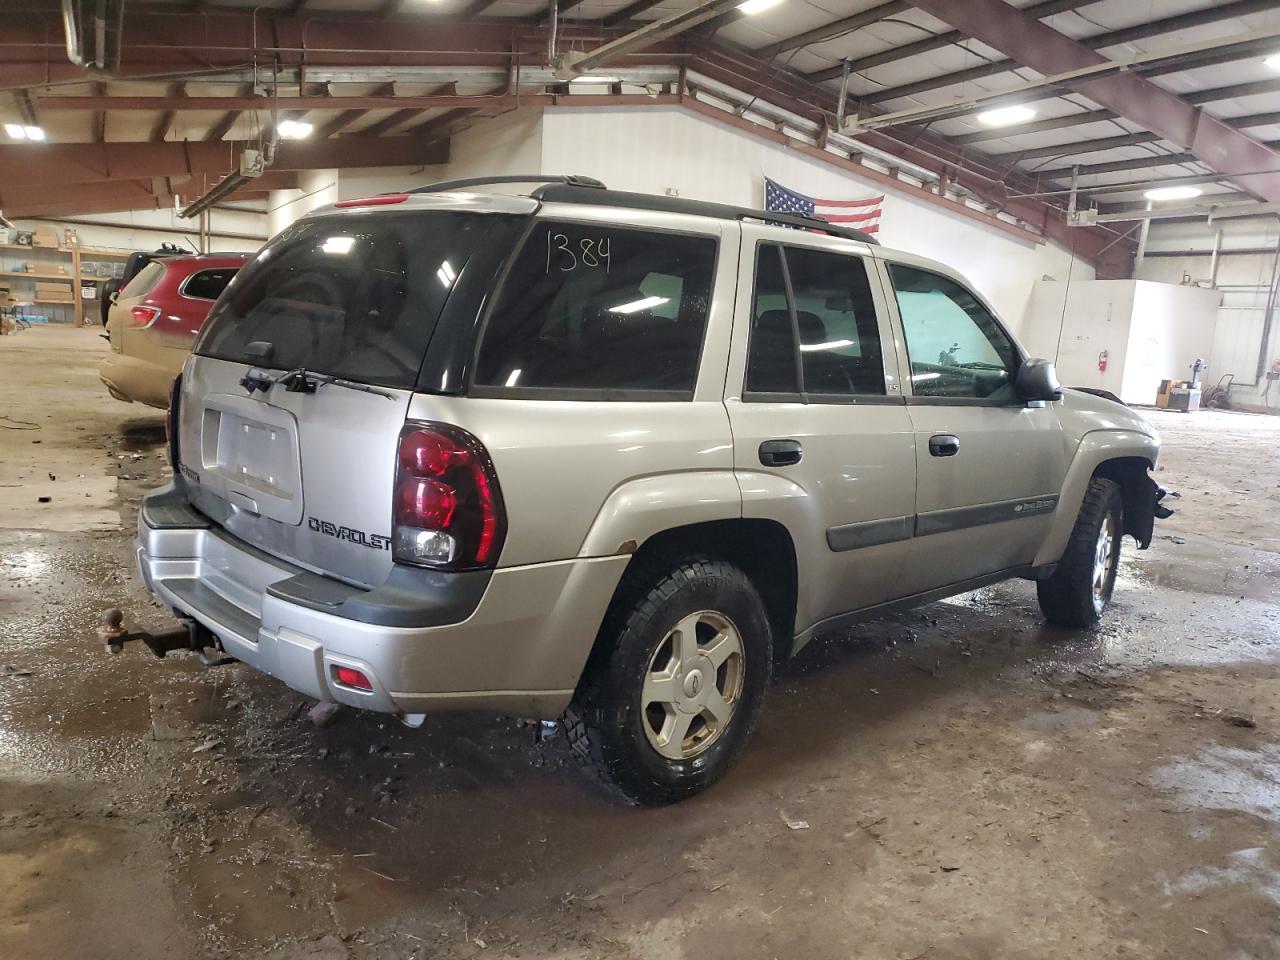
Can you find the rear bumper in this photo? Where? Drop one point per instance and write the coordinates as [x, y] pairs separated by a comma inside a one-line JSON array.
[[129, 379], [518, 649]]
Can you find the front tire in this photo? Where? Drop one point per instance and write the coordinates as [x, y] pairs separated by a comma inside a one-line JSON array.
[[1080, 589], [676, 684]]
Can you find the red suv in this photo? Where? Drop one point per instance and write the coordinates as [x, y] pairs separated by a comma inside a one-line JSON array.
[[155, 319]]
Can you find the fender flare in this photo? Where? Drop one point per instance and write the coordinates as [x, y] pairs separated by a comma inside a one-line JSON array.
[[636, 510], [1095, 448]]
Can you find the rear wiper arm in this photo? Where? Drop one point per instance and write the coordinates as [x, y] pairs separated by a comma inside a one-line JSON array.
[[302, 380]]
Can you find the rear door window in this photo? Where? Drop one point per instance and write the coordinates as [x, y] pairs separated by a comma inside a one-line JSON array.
[[208, 284], [590, 309], [836, 334], [356, 297]]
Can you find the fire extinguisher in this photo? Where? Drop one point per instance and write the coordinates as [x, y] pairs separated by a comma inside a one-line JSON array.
[[1102, 362]]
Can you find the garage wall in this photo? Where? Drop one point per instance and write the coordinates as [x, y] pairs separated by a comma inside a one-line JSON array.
[[659, 149], [1243, 281], [147, 229]]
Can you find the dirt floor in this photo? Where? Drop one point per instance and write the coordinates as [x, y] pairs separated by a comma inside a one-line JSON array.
[[958, 782]]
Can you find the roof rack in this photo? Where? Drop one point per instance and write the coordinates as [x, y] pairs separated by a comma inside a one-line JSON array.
[[568, 190], [569, 180]]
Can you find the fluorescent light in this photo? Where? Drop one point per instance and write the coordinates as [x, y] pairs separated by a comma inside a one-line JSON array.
[[294, 129], [635, 306], [514, 376], [1004, 116], [825, 345], [446, 274], [16, 130], [34, 133], [592, 78], [751, 7], [338, 244], [1173, 193], [1273, 61]]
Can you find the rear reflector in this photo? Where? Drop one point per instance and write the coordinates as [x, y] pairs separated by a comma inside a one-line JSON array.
[[350, 677], [384, 200]]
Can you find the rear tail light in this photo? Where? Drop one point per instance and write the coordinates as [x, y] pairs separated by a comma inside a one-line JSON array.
[[350, 677], [144, 316], [171, 420], [448, 510]]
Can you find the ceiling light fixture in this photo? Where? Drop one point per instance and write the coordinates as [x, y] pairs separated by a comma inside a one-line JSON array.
[[16, 130], [34, 133], [1272, 61], [1173, 193], [294, 129], [752, 7], [592, 78], [1004, 116]]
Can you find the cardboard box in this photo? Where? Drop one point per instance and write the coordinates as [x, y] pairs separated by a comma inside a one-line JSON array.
[[44, 236], [1167, 387]]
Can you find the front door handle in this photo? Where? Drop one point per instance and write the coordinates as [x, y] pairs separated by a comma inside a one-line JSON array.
[[944, 445], [780, 453]]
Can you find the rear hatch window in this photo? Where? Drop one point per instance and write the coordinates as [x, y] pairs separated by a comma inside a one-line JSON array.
[[144, 282], [357, 297]]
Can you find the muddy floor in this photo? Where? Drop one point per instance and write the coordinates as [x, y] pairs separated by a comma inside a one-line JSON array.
[[958, 782]]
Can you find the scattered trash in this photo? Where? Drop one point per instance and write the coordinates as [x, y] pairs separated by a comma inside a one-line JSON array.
[[324, 714], [44, 499], [1172, 539], [207, 746], [795, 824], [9, 670], [1240, 720], [383, 823], [950, 869], [52, 477]]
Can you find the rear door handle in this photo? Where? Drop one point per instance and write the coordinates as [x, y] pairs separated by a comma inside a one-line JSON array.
[[944, 445], [780, 453]]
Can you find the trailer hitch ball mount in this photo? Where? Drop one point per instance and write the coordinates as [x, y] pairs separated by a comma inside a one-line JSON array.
[[188, 635]]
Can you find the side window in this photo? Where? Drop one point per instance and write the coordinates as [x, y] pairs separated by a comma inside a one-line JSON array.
[[955, 345], [208, 284], [839, 340], [596, 307]]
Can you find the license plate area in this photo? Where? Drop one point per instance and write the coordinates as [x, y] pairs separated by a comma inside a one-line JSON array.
[[249, 457]]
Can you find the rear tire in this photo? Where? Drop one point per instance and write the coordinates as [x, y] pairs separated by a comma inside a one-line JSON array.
[[1080, 589], [676, 683]]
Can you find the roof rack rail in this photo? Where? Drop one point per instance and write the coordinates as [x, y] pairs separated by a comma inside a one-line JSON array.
[[569, 180], [562, 190]]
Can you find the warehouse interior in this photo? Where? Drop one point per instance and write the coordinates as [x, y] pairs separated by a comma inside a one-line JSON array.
[[952, 779]]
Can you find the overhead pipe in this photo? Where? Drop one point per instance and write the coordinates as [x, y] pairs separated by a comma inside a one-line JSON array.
[[71, 33], [649, 34]]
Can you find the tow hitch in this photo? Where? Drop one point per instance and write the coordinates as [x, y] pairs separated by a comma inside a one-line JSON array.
[[189, 635]]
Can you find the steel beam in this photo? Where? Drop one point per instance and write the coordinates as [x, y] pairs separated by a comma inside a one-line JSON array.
[[1099, 41], [644, 37], [829, 31], [1045, 8], [54, 163], [1027, 40], [629, 12]]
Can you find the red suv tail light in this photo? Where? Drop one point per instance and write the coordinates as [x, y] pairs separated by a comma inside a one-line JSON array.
[[144, 316], [448, 510]]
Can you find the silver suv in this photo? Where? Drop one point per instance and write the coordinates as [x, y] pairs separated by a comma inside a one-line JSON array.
[[605, 456]]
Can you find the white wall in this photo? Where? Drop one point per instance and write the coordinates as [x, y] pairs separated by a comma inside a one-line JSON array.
[[1172, 327], [1243, 282], [316, 188], [657, 149], [1072, 324]]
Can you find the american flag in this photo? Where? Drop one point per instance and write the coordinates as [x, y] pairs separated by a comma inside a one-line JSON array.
[[860, 214]]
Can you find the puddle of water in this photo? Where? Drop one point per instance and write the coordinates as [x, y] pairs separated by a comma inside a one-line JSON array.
[[1250, 868], [1226, 778]]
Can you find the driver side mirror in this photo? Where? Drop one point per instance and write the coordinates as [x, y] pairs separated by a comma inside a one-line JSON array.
[[1038, 380]]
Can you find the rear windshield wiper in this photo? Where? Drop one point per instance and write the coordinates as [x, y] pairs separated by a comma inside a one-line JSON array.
[[303, 380]]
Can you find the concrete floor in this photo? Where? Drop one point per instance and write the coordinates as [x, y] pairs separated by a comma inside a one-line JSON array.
[[974, 784]]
